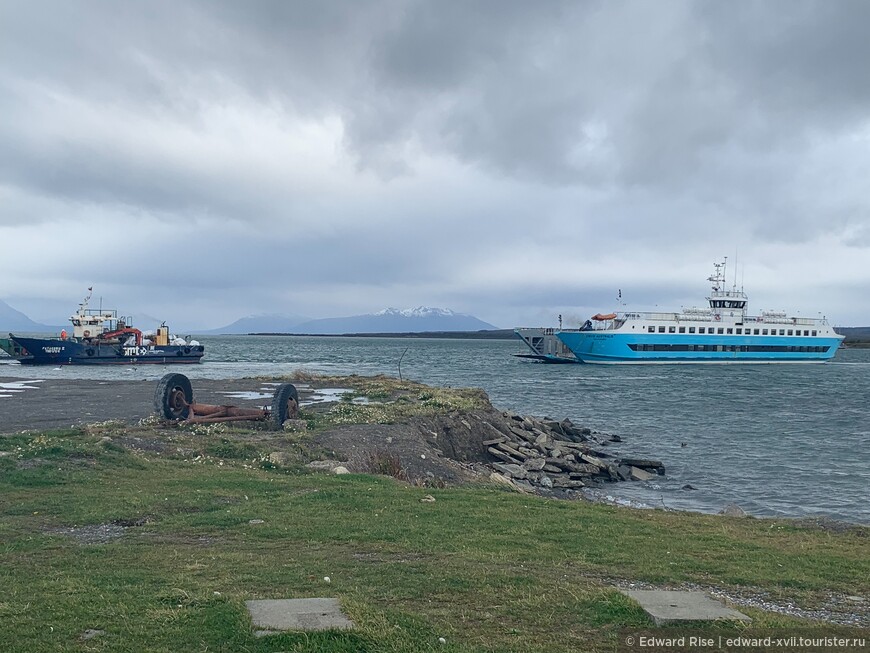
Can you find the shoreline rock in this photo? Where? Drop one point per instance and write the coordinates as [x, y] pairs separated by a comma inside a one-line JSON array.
[[547, 455]]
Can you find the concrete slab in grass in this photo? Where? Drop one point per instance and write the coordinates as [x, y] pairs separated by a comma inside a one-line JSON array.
[[667, 606], [276, 615]]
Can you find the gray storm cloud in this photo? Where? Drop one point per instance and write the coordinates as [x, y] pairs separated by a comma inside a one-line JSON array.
[[504, 159]]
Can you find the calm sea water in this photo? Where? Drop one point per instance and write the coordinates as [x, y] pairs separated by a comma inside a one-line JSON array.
[[787, 440]]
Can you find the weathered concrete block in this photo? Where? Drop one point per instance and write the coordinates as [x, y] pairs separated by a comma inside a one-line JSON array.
[[638, 474], [536, 464], [273, 616], [501, 479], [733, 510], [508, 449], [511, 469], [665, 606], [501, 455], [585, 469], [592, 460]]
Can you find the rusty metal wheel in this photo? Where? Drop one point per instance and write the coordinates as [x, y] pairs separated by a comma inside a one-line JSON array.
[[285, 405], [173, 397]]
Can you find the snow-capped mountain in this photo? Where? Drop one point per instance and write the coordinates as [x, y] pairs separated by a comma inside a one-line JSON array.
[[420, 311], [394, 320]]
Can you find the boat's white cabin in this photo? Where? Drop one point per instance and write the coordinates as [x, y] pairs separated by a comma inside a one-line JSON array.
[[90, 323]]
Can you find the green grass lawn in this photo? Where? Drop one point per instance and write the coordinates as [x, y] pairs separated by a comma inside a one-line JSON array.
[[486, 569]]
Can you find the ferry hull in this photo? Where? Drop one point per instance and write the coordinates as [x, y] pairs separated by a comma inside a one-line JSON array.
[[55, 351], [602, 347]]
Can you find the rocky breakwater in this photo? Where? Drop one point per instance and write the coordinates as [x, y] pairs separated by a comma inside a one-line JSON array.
[[547, 455]]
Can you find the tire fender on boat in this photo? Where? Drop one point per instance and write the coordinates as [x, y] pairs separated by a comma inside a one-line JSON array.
[[89, 352]]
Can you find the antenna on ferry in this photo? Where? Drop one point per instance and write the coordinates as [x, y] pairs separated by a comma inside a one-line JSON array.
[[718, 276], [735, 268]]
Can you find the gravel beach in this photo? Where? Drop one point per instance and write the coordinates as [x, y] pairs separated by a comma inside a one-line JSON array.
[[53, 404]]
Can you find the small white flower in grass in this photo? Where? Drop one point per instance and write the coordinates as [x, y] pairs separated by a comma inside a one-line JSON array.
[[326, 579], [442, 640]]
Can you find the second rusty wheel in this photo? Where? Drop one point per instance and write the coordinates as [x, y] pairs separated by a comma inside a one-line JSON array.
[[173, 397], [285, 405]]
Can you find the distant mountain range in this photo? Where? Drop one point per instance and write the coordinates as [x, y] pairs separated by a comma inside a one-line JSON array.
[[394, 320], [272, 323], [854, 333], [389, 320], [16, 321]]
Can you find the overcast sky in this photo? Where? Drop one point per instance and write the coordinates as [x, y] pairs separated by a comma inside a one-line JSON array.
[[203, 161]]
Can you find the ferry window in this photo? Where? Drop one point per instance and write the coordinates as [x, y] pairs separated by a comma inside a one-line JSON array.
[[806, 333], [702, 330], [782, 332], [661, 329], [764, 332], [730, 331], [682, 329], [651, 329], [790, 332], [755, 332], [739, 332], [672, 329], [691, 329], [814, 332], [720, 330]]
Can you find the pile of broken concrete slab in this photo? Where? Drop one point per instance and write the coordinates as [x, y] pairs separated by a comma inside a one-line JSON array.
[[545, 454]]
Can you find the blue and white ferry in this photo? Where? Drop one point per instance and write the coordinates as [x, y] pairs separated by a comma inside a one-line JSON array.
[[722, 333]]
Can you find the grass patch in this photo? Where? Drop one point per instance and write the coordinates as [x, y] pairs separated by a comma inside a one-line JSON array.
[[387, 401], [484, 569]]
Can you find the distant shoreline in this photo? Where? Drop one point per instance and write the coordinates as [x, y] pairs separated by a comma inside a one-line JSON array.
[[491, 334]]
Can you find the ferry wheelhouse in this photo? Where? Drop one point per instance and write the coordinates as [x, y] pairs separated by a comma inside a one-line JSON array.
[[723, 332]]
